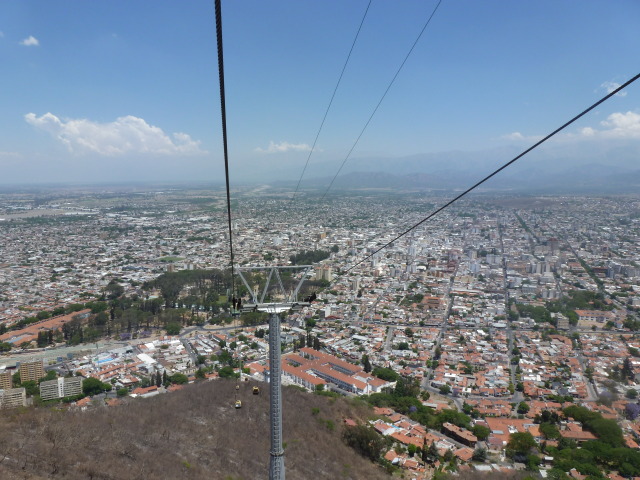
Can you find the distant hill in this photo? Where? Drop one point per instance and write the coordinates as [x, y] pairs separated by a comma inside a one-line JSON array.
[[382, 180], [555, 168], [587, 179], [195, 433]]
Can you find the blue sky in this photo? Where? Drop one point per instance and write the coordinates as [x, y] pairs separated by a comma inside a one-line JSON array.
[[128, 90]]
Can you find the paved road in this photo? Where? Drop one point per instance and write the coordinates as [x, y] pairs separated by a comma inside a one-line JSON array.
[[54, 353], [443, 329], [387, 343], [510, 336]]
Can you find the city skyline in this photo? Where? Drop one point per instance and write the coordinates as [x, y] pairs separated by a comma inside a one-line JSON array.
[[505, 312]]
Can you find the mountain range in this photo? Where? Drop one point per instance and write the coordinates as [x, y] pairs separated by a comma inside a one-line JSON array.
[[562, 168]]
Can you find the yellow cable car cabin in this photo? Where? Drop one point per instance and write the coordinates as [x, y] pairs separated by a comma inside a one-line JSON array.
[[238, 404], [256, 391]]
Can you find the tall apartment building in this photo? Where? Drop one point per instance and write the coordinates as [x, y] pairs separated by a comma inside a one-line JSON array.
[[13, 397], [6, 380], [324, 273], [60, 388], [31, 371]]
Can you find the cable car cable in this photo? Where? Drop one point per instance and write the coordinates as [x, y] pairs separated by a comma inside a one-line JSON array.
[[382, 98], [495, 172], [223, 110], [344, 67]]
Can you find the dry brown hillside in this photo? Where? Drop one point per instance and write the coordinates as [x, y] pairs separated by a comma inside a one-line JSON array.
[[195, 433]]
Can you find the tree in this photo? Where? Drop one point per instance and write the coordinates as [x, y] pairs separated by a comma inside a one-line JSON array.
[[31, 387], [520, 444], [607, 398], [430, 455], [93, 386], [366, 363], [631, 393], [122, 392], [481, 432], [228, 372], [557, 474], [523, 408], [412, 449], [43, 339], [550, 431], [385, 374], [445, 389], [547, 416], [479, 454], [225, 358], [50, 375], [589, 371], [448, 455], [532, 463], [173, 328], [627, 370], [364, 440], [97, 307], [179, 378], [309, 257], [114, 290]]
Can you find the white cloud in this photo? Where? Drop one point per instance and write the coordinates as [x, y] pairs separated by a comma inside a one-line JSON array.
[[30, 41], [514, 136], [518, 137], [618, 125], [9, 154], [621, 125], [125, 135], [611, 86], [284, 147]]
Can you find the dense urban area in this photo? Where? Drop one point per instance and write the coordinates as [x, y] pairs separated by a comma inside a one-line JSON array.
[[499, 336]]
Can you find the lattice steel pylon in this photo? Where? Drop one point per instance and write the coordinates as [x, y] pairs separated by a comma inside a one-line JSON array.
[[289, 301]]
